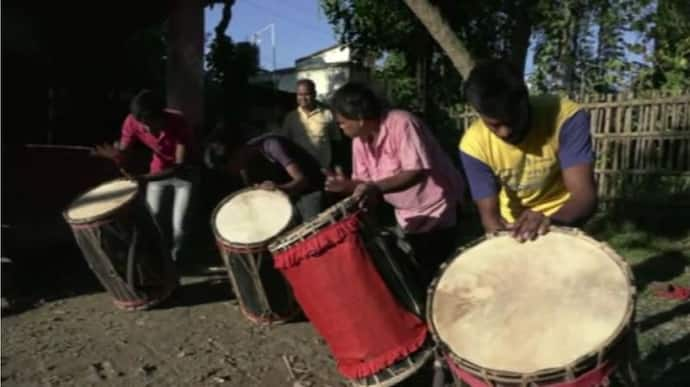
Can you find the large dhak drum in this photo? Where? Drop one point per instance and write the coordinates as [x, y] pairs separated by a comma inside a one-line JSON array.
[[556, 311], [122, 244], [351, 283], [244, 223]]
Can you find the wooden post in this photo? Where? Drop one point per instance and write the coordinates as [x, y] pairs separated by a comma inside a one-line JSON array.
[[618, 129], [605, 177], [642, 119], [627, 129], [684, 153]]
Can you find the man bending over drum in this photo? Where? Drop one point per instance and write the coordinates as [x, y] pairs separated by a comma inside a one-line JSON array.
[[275, 162], [529, 160], [394, 155], [170, 138]]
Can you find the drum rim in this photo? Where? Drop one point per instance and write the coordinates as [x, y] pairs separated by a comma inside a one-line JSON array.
[[254, 245], [426, 352], [549, 373], [309, 228], [106, 214]]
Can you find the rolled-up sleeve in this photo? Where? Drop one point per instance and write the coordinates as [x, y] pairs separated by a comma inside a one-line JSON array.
[[413, 152], [129, 132], [276, 151], [483, 182], [575, 141], [359, 166]]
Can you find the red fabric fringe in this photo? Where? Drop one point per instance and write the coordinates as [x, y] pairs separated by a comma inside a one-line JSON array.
[[317, 244]]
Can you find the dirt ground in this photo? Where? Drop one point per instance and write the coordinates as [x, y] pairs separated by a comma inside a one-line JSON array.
[[64, 331], [198, 338]]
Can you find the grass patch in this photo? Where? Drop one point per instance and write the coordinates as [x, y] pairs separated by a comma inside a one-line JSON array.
[[658, 251]]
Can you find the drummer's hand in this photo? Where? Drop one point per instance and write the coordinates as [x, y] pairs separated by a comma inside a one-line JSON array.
[[106, 150], [337, 182], [367, 194], [268, 185], [529, 225]]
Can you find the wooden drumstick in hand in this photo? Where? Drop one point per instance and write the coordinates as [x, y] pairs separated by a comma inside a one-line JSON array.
[[126, 174], [59, 146], [245, 177]]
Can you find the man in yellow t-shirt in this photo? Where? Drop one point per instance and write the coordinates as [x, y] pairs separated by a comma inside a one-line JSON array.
[[528, 160]]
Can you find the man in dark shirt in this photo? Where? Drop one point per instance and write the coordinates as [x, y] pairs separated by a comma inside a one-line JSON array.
[[275, 162]]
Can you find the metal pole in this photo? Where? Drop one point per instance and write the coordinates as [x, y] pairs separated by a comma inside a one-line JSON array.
[[257, 41], [273, 44], [256, 34]]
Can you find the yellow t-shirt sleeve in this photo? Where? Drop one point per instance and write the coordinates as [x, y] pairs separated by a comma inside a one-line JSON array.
[[470, 142]]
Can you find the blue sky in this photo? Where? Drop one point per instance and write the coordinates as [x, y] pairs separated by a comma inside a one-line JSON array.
[[300, 27]]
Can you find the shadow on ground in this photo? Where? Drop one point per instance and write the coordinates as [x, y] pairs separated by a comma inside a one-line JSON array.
[[660, 268], [668, 365]]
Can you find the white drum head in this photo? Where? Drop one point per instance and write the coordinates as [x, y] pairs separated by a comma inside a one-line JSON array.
[[253, 216], [515, 307], [102, 199]]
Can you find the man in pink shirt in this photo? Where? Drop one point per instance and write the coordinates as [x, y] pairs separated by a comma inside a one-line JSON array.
[[169, 137], [396, 156]]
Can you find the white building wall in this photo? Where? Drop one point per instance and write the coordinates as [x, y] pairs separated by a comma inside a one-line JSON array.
[[329, 70], [334, 55], [327, 80]]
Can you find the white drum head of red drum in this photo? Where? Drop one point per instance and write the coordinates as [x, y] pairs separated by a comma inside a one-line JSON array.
[[525, 307], [102, 199], [253, 216]]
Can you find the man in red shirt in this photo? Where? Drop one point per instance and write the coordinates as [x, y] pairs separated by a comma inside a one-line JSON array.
[[170, 138]]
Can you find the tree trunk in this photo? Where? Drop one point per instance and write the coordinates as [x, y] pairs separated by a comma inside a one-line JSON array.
[[521, 32], [422, 49], [185, 63], [226, 15], [431, 18], [422, 75], [573, 50]]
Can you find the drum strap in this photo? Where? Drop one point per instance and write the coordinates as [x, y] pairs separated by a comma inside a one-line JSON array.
[[131, 253]]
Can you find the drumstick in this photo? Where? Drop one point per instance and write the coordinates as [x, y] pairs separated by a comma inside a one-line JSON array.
[[75, 147], [125, 174], [57, 146], [245, 177]]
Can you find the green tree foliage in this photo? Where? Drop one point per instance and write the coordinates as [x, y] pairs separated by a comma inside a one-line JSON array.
[[229, 67], [145, 58], [399, 84], [579, 45], [665, 45]]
